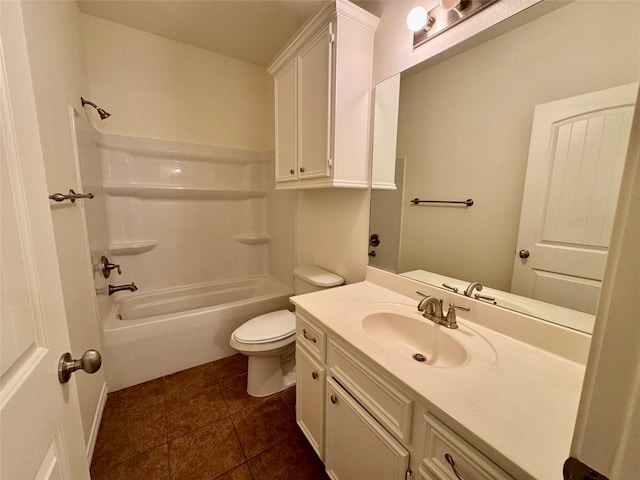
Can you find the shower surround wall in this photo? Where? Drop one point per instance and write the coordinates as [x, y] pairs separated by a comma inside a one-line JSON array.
[[182, 214]]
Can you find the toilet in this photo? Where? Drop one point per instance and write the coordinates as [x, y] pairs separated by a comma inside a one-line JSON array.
[[269, 340]]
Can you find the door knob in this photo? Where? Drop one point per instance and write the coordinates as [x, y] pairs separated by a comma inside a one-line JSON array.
[[90, 362], [524, 254]]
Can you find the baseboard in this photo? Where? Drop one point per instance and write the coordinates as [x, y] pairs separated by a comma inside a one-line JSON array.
[[91, 445]]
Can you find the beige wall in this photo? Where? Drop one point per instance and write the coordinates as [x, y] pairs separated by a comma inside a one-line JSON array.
[[160, 88], [393, 50], [331, 229], [465, 126], [59, 79]]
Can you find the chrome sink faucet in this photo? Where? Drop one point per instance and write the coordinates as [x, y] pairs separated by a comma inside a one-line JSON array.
[[473, 286], [431, 308]]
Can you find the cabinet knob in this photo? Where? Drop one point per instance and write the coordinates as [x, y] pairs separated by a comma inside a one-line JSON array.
[[292, 171], [301, 169], [334, 399], [314, 375]]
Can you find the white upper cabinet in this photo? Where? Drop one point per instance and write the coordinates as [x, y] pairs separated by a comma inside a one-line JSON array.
[[322, 83]]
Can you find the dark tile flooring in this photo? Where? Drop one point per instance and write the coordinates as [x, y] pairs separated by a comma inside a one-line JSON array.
[[201, 424]]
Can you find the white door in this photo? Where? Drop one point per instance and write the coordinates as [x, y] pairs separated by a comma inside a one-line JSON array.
[[40, 428], [577, 152]]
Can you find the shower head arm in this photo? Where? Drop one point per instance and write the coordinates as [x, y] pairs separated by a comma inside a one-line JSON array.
[[103, 113]]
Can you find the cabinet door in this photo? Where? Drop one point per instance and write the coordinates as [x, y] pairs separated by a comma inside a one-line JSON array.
[[310, 399], [286, 119], [315, 72], [356, 445]]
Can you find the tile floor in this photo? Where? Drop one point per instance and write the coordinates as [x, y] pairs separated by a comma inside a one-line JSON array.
[[200, 424]]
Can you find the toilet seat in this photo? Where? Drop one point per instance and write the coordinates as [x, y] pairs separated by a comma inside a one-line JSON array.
[[266, 328]]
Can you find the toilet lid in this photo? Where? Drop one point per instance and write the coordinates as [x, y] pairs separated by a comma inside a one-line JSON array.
[[267, 328]]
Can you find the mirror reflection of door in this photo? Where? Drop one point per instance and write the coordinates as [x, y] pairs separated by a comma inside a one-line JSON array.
[[576, 156]]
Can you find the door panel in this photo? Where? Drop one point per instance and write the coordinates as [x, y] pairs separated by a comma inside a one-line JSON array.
[[40, 428], [356, 445], [286, 119], [314, 73], [577, 152]]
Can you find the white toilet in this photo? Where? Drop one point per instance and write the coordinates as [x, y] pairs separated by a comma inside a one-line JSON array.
[[269, 340]]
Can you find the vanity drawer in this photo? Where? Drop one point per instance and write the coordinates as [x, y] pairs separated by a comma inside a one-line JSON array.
[[442, 443], [385, 402], [311, 336]]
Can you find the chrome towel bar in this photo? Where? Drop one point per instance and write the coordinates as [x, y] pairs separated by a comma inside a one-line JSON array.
[[61, 197], [468, 202]]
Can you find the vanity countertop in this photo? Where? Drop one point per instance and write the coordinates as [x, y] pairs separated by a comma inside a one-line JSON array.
[[519, 410]]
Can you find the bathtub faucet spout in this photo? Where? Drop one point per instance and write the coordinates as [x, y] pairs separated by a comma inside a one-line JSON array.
[[118, 288]]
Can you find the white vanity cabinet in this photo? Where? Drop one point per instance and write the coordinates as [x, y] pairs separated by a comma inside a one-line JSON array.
[[357, 445], [322, 84], [447, 456], [363, 423], [310, 388], [310, 381]]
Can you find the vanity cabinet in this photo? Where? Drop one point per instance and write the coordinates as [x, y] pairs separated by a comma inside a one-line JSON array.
[[322, 85], [363, 423], [310, 391], [447, 456], [357, 445]]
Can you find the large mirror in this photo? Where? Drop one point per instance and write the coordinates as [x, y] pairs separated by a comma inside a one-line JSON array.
[[531, 125]]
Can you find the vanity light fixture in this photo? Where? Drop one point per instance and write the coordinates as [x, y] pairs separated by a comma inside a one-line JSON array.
[[427, 24], [418, 19]]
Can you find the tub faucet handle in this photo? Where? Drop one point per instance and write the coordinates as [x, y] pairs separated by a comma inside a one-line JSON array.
[[106, 267]]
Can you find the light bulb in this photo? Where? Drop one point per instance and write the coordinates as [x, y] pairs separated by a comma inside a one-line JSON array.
[[417, 19]]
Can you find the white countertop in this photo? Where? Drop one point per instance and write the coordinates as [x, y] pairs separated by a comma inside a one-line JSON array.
[[519, 407]]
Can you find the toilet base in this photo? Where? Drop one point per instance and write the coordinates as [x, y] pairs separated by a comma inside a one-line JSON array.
[[271, 374]]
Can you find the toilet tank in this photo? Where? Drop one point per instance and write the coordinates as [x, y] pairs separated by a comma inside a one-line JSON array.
[[309, 278]]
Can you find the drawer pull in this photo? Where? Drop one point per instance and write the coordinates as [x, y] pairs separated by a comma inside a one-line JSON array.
[[450, 461], [314, 375], [334, 399], [306, 335]]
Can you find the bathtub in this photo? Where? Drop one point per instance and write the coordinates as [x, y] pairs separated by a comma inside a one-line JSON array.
[[148, 335]]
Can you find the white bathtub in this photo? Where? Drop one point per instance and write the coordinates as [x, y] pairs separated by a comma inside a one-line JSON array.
[[148, 335]]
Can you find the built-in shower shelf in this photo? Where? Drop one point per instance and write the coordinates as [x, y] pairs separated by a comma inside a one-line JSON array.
[[179, 192], [132, 248], [253, 238]]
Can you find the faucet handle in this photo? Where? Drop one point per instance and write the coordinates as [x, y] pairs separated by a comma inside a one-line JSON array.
[[106, 266], [451, 321], [453, 307], [453, 289]]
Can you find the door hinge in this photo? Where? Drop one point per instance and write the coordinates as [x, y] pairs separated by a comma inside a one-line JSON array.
[[329, 163], [408, 475], [332, 38]]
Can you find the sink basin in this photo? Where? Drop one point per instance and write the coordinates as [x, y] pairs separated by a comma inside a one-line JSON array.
[[413, 336], [404, 334]]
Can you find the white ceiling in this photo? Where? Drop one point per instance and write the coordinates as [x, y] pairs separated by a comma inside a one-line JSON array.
[[249, 30]]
